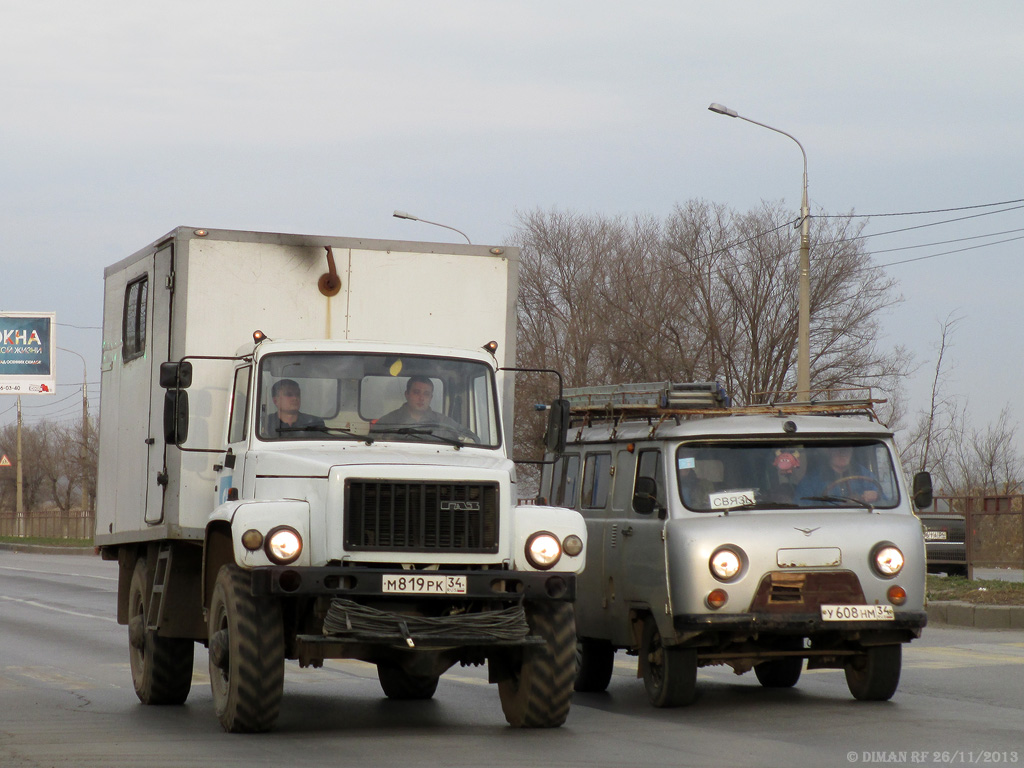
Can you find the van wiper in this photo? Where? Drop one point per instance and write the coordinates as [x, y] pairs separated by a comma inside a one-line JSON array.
[[847, 499], [765, 505], [328, 430]]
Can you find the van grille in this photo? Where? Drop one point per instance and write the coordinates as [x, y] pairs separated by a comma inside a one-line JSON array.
[[384, 516]]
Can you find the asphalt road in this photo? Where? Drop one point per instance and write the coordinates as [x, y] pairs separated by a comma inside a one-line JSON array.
[[66, 700]]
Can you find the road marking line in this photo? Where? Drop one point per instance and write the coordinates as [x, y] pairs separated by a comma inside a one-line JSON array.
[[54, 608], [54, 573]]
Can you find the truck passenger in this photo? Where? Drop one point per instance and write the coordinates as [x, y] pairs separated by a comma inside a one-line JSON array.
[[416, 412]]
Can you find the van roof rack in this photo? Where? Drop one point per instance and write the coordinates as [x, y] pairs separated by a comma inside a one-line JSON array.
[[664, 399]]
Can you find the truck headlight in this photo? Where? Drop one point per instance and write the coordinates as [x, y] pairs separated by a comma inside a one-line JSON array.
[[543, 550], [725, 563], [284, 545], [887, 560]]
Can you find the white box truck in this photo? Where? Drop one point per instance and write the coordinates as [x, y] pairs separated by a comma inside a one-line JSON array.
[[304, 454]]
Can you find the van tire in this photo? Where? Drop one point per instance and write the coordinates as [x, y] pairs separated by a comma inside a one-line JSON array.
[[875, 674], [161, 666], [669, 672], [246, 639], [539, 691], [400, 685], [595, 660]]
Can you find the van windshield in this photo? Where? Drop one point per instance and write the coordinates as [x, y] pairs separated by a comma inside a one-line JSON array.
[[413, 399], [717, 476]]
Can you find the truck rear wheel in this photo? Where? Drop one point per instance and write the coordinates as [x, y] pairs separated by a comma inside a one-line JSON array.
[[246, 636], [399, 684], [538, 693], [669, 673], [875, 675], [595, 660], [161, 666]]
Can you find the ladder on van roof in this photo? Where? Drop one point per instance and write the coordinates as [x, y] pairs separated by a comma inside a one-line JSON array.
[[664, 399]]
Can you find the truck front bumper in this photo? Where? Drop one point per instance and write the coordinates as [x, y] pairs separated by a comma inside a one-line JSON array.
[[355, 583]]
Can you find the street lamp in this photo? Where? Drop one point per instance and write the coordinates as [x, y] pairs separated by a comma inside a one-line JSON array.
[[410, 217], [803, 356]]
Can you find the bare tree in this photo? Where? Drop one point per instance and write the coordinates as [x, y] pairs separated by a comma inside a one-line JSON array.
[[710, 294]]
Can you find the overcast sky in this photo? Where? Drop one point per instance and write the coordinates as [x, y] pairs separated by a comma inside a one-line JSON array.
[[122, 120]]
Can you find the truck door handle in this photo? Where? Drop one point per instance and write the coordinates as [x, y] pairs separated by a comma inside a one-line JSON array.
[[627, 531]]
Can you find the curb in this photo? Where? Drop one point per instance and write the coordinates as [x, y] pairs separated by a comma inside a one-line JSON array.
[[960, 614], [43, 549]]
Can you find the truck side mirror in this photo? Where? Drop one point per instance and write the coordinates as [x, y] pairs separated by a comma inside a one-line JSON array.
[[645, 495], [175, 416], [176, 375], [558, 424], [922, 490]]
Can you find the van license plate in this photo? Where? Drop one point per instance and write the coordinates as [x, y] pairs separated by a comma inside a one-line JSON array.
[[934, 535], [857, 613], [420, 584]]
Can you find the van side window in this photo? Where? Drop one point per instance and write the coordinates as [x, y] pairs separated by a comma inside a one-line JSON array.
[[566, 478], [239, 405], [648, 464], [133, 319], [597, 480]]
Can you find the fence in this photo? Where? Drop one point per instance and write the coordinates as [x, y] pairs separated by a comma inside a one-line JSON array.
[[49, 524], [995, 529]]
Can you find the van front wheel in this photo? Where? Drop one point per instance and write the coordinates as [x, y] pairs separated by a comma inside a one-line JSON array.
[[875, 674], [669, 672]]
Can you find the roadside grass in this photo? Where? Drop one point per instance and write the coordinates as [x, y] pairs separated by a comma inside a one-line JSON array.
[[46, 541], [979, 591]]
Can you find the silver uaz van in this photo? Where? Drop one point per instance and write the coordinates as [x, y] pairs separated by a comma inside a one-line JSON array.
[[755, 537]]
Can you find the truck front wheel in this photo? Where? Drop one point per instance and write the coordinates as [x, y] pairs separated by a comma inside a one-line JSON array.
[[246, 637], [161, 666], [538, 692]]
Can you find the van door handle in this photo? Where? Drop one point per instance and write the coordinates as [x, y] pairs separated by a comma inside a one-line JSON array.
[[628, 531]]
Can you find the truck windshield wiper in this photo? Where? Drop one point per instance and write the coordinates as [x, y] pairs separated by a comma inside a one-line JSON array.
[[328, 430], [765, 505], [847, 499], [420, 431]]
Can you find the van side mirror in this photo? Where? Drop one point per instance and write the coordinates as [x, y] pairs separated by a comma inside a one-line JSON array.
[[922, 490], [645, 495], [175, 416], [176, 375], [558, 425]]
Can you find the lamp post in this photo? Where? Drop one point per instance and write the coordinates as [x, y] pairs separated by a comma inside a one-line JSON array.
[[83, 450], [803, 356], [410, 217]]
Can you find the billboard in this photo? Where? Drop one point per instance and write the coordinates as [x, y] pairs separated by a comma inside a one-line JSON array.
[[28, 353]]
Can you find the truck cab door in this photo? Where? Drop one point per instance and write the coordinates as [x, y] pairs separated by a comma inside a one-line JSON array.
[[232, 468]]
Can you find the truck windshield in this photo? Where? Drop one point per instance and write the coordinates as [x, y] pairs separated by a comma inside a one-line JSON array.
[[346, 396], [717, 476]]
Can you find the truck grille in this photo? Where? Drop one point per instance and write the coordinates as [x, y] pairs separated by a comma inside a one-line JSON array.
[[421, 517]]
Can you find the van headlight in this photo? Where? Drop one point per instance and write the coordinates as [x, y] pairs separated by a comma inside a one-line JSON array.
[[283, 545], [543, 550], [887, 560], [726, 563]]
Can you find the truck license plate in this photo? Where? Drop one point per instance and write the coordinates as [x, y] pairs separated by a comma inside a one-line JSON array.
[[857, 613], [421, 584], [934, 535]]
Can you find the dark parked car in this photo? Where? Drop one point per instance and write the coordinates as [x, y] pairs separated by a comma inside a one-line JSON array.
[[945, 543]]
